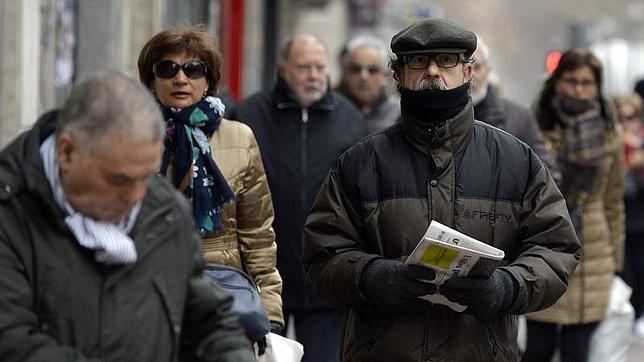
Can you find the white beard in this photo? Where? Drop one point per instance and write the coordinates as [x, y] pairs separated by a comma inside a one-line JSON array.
[[478, 92]]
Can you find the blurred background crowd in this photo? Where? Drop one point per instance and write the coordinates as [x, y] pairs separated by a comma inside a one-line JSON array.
[[47, 44]]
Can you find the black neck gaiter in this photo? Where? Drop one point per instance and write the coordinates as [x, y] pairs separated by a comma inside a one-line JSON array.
[[432, 107]]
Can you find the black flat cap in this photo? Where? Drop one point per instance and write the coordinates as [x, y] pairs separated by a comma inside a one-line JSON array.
[[434, 35]]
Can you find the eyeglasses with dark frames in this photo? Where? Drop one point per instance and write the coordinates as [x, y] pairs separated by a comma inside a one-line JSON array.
[[442, 60], [193, 69], [573, 82]]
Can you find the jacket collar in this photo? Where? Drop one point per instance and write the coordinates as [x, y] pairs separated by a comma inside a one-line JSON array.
[[451, 135], [490, 110], [22, 168], [284, 98]]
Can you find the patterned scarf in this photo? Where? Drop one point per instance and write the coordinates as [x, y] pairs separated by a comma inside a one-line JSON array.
[[582, 130], [194, 172], [581, 149]]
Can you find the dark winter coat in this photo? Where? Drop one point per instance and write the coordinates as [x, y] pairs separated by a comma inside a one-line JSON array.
[[378, 201], [298, 147], [58, 304], [385, 113], [518, 121]]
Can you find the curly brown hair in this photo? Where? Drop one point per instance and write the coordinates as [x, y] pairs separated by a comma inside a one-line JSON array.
[[191, 39]]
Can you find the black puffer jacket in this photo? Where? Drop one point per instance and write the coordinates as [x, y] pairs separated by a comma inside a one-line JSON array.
[[58, 304], [378, 201], [298, 147]]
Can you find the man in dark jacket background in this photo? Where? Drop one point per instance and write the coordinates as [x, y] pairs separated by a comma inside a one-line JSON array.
[[99, 258], [437, 164], [500, 112], [365, 79], [301, 127]]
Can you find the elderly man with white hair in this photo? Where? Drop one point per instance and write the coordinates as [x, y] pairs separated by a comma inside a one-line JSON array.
[[364, 82]]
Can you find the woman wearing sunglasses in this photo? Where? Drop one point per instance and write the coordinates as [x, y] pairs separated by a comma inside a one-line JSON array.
[[213, 161]]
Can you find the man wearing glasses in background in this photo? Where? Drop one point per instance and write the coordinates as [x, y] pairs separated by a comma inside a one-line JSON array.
[[364, 82], [437, 164]]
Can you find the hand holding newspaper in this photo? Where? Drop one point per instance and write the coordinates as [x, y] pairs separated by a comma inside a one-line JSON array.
[[451, 254]]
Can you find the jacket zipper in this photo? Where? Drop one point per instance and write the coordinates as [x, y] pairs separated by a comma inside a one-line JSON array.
[[304, 140]]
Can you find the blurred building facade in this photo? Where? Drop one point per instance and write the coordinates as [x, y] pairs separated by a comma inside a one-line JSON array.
[[46, 45]]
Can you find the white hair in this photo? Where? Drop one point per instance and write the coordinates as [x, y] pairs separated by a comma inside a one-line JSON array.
[[367, 41], [483, 49], [111, 104]]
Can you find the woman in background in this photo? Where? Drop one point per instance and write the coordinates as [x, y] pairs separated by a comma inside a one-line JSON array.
[[213, 161], [629, 109], [581, 127]]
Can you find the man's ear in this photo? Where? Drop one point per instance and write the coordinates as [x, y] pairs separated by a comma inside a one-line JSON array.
[[67, 151], [468, 72]]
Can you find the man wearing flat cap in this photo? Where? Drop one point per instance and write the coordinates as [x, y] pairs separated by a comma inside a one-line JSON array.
[[437, 164]]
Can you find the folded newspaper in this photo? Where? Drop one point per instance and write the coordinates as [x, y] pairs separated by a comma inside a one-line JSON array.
[[451, 253]]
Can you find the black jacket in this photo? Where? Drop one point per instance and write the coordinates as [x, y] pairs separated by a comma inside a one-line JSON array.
[[518, 121], [58, 304], [378, 201], [298, 147]]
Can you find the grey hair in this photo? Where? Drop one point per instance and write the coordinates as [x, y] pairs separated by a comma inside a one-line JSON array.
[[285, 51], [483, 49], [110, 104], [366, 41]]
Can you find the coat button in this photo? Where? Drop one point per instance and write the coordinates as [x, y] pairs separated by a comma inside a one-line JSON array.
[[7, 188], [177, 329], [433, 183]]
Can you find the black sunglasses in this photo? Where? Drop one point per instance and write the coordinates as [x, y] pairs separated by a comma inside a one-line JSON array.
[[357, 69], [193, 69]]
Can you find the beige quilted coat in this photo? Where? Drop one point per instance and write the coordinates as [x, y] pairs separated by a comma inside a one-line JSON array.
[[602, 242], [247, 222]]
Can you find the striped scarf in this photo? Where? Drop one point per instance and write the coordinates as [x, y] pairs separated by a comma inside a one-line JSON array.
[[111, 241]]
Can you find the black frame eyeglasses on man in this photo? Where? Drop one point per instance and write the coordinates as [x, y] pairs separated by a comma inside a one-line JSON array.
[[167, 69], [442, 60]]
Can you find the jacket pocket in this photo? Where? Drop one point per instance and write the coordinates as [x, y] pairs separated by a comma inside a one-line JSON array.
[[363, 334]]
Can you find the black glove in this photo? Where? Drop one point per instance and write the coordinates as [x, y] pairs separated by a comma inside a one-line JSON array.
[[276, 328], [261, 346], [393, 282], [480, 295]]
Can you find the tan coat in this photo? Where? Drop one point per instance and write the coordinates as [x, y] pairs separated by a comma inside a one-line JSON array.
[[602, 241], [246, 223]]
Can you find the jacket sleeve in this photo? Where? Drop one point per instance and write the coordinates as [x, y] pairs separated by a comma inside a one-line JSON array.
[[211, 331], [334, 253], [535, 139], [22, 338], [614, 202], [255, 233], [548, 249]]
